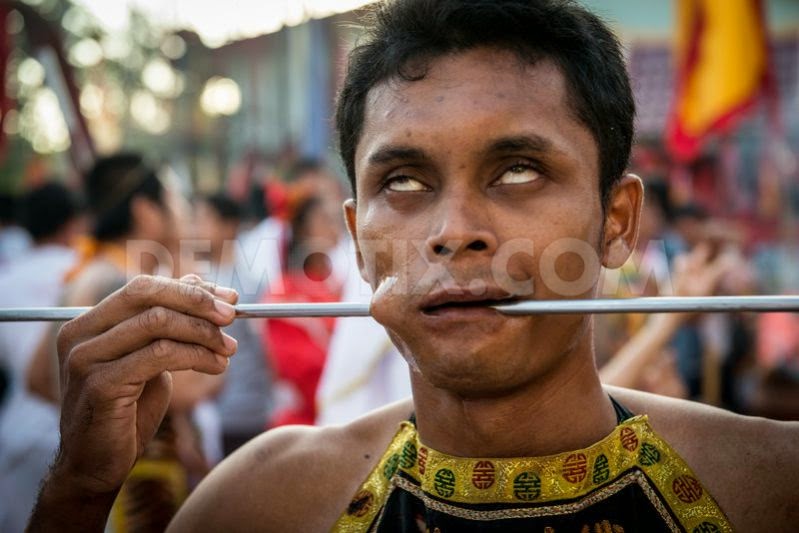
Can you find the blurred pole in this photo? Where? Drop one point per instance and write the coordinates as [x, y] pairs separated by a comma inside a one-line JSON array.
[[46, 42], [318, 94]]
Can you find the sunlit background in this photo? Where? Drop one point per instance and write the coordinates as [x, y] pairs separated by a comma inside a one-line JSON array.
[[234, 100], [212, 86]]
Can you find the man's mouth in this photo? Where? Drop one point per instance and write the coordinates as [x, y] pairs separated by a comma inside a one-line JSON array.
[[445, 301], [466, 305]]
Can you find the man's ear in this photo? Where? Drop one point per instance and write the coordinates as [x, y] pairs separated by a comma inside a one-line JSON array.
[[622, 216], [350, 217]]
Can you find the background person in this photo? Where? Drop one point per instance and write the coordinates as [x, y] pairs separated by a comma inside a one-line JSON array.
[[52, 216], [244, 403], [465, 170], [297, 346]]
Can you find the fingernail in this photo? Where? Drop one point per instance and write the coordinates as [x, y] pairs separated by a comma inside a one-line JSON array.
[[224, 309], [225, 292], [230, 343], [225, 361]]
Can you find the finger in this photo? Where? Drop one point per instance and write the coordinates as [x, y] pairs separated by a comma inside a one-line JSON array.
[[139, 294], [164, 355], [226, 293], [146, 327], [153, 404]]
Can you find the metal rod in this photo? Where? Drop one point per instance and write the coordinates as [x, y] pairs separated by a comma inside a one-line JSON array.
[[300, 309], [704, 304], [661, 304]]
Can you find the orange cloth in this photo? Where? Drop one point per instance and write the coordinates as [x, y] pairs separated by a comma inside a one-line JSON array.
[[90, 249]]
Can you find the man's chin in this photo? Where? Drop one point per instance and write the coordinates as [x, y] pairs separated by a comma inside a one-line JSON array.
[[467, 373]]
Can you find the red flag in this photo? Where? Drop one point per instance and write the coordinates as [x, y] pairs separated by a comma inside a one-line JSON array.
[[723, 69]]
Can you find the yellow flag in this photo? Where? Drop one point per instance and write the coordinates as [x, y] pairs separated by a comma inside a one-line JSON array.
[[722, 69]]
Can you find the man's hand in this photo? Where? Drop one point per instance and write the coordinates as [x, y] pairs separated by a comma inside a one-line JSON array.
[[698, 273], [115, 362]]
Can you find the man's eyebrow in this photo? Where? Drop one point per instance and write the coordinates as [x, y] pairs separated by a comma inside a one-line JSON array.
[[516, 143], [391, 153]]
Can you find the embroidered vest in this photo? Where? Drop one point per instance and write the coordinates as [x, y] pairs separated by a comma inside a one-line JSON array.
[[630, 481]]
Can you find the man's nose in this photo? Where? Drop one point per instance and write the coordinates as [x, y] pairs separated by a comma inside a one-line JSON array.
[[461, 226]]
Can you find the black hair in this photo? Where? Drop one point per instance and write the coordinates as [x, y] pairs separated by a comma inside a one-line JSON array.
[[257, 205], [296, 252], [224, 206], [403, 36], [657, 194], [111, 185], [303, 166], [8, 209], [690, 211], [45, 210]]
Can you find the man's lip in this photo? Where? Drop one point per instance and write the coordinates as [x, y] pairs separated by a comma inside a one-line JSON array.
[[462, 299]]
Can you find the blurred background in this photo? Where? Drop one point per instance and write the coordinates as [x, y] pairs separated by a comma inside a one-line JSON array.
[[189, 121]]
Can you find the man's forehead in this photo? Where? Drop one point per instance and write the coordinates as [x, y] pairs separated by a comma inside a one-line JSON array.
[[502, 72], [496, 87]]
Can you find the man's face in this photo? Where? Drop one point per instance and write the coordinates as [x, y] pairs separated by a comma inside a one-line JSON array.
[[476, 184]]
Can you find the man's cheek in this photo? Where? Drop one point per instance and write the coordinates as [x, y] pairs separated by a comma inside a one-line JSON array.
[[513, 267], [376, 256], [386, 263], [569, 267]]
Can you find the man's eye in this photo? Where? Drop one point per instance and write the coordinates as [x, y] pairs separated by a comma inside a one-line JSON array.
[[518, 174], [405, 184]]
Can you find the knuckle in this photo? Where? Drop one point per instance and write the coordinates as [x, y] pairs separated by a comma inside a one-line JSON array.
[[140, 286], [77, 364], [161, 348], [206, 330], [197, 353], [196, 297], [64, 338], [210, 286], [154, 320], [138, 283], [191, 278]]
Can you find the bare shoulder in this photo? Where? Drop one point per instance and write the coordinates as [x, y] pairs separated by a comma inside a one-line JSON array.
[[99, 279], [749, 464], [296, 478]]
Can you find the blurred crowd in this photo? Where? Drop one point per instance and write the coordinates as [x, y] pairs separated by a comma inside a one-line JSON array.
[[278, 235]]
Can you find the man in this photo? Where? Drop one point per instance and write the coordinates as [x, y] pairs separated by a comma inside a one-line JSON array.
[[51, 216], [137, 223], [477, 133], [245, 400]]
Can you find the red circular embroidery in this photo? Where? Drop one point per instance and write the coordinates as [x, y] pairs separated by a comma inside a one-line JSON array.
[[361, 504], [687, 489], [422, 459], [629, 440], [575, 468], [483, 474]]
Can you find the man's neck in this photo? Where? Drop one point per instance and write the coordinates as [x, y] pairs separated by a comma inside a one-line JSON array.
[[565, 410]]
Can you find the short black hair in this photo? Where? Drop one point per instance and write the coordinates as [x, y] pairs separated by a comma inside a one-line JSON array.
[[8, 209], [111, 185], [296, 252], [410, 33], [46, 209], [224, 206], [303, 166]]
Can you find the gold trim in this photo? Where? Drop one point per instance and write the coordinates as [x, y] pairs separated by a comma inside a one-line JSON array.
[[631, 452], [376, 484], [549, 510]]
